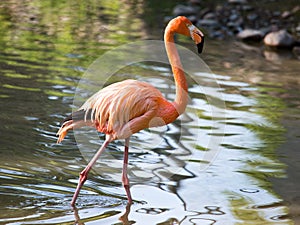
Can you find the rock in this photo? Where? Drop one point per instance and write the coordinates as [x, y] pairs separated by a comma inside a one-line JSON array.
[[250, 35], [296, 51], [195, 2], [193, 18], [247, 8], [202, 12], [279, 39], [298, 29], [235, 27], [266, 30], [167, 19], [234, 16], [296, 9], [209, 16], [182, 10], [276, 13], [286, 14], [217, 34], [238, 1], [208, 23], [252, 16]]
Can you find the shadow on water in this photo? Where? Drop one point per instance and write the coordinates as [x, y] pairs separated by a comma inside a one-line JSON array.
[[43, 55]]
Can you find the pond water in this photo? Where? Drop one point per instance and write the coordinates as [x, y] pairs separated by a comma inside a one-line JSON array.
[[230, 159]]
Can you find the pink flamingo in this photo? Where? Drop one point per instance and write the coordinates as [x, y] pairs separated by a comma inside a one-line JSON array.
[[124, 108]]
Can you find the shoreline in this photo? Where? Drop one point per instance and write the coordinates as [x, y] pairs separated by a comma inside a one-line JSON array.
[[275, 28]]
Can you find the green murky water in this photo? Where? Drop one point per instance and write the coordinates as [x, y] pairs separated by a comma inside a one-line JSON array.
[[247, 176]]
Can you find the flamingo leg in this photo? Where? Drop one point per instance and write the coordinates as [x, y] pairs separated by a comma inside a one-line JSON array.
[[84, 173], [125, 179]]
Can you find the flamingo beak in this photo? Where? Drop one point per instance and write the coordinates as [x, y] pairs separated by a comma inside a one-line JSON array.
[[200, 45], [197, 36]]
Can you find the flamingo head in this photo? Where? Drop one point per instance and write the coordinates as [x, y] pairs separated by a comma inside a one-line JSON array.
[[184, 26]]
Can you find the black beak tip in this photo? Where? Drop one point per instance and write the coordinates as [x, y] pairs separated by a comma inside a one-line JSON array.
[[200, 46]]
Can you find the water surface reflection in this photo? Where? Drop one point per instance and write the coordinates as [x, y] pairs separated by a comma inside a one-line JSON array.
[[167, 182]]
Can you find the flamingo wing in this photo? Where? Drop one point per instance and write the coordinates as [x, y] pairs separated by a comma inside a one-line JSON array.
[[123, 108]]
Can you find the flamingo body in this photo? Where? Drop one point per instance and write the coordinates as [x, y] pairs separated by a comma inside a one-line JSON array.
[[124, 108]]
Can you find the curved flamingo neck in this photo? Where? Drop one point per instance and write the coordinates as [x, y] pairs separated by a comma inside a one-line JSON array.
[[181, 99]]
